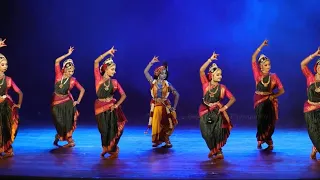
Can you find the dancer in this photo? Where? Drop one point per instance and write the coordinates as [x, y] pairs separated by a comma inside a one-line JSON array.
[[215, 124], [9, 117], [110, 118], [265, 99], [163, 117], [312, 105], [63, 107]]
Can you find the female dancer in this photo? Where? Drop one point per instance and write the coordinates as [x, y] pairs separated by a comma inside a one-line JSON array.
[[265, 100], [110, 118], [215, 124], [64, 111], [312, 105], [9, 117], [163, 117]]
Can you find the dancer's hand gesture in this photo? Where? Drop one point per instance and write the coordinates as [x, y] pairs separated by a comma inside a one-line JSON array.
[[317, 53], [265, 43], [70, 50], [2, 43], [112, 51], [154, 59], [214, 56]]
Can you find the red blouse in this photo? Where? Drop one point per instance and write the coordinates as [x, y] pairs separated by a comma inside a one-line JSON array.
[[257, 74], [99, 80], [10, 83], [309, 75], [73, 81], [206, 85]]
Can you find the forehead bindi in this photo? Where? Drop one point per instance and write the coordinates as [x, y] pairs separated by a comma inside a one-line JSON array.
[[266, 63], [4, 62]]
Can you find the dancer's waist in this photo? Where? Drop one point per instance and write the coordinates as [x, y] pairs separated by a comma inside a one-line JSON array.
[[263, 93], [106, 99], [210, 104], [61, 95], [314, 103]]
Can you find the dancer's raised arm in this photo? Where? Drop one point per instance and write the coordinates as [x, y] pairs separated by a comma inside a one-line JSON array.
[[205, 66], [146, 70], [102, 56]]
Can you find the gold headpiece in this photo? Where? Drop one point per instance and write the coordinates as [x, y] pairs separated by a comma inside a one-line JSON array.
[[262, 58], [2, 57], [67, 63], [213, 67], [109, 61]]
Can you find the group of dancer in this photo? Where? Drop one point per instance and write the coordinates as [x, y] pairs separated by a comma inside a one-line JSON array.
[[215, 124]]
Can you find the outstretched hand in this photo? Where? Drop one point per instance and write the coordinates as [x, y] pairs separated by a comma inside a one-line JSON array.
[[2, 43], [317, 53], [214, 56], [154, 59], [112, 51], [265, 43], [70, 50]]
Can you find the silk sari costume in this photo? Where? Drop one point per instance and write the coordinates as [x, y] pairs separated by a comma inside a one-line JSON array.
[[266, 110], [215, 127], [65, 115], [162, 119], [312, 107], [9, 116], [110, 123]]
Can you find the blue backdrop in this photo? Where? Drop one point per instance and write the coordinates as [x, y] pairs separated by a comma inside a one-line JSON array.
[[184, 33]]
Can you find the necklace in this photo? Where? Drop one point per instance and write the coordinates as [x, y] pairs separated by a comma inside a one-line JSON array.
[[211, 94], [267, 83], [4, 77], [159, 84], [317, 89], [106, 87], [62, 84]]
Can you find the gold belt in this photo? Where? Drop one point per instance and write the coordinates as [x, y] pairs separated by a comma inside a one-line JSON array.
[[159, 100], [211, 104], [313, 103], [263, 93], [61, 95], [106, 99]]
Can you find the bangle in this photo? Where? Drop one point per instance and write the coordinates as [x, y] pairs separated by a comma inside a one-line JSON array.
[[258, 49], [210, 59], [226, 106]]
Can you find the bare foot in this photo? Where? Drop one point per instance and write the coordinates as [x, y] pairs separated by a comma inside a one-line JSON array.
[[7, 155], [219, 156], [259, 146], [313, 153], [71, 144], [115, 154], [104, 151], [269, 148], [169, 145], [55, 142], [210, 155], [155, 144]]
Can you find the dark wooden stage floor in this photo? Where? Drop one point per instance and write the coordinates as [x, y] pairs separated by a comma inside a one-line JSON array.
[[36, 156]]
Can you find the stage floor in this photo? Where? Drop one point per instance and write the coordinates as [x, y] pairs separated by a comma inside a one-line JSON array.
[[36, 156]]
